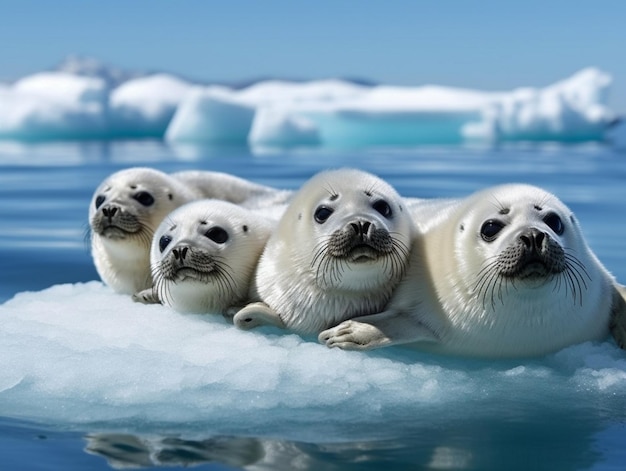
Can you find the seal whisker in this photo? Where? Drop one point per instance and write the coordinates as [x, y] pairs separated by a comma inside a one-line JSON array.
[[397, 258], [502, 280], [224, 272], [572, 260], [578, 274], [158, 284], [570, 283], [558, 284], [485, 276], [485, 289], [319, 251], [571, 257], [580, 283]]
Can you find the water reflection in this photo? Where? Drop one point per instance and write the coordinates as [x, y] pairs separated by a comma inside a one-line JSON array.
[[464, 445]]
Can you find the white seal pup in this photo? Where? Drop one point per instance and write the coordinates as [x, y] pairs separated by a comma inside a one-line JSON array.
[[125, 210], [505, 272], [128, 206], [339, 250], [203, 256], [226, 187]]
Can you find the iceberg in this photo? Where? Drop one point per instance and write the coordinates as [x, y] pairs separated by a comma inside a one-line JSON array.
[[143, 107], [63, 88], [334, 113], [570, 110], [211, 115], [86, 101], [53, 106]]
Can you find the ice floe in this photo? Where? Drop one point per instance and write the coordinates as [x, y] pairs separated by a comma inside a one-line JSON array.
[[81, 354]]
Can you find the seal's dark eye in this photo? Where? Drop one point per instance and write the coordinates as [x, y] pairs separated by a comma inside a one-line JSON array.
[[322, 214], [555, 223], [490, 230], [164, 242], [217, 235], [99, 200], [144, 198], [383, 208]]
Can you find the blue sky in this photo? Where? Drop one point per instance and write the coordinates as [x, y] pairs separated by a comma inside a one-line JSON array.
[[489, 45]]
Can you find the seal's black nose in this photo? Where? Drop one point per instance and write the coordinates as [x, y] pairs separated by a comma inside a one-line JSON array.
[[109, 211], [533, 240], [361, 228], [180, 253]]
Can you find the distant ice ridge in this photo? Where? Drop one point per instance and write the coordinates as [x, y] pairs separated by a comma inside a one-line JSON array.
[[81, 354], [571, 110], [81, 101]]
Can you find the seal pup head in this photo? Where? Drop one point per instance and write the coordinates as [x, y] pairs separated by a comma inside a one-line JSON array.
[[339, 250], [125, 211], [522, 279], [525, 239], [204, 253]]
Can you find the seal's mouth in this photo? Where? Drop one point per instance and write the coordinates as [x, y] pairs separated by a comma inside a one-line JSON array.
[[362, 253], [534, 270], [114, 232], [188, 273]]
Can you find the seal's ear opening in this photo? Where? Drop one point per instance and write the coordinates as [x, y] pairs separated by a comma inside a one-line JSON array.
[[244, 228], [617, 324]]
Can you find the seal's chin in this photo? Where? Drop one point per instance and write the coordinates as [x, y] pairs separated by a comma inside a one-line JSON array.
[[362, 254], [533, 271], [189, 274], [533, 275], [115, 233]]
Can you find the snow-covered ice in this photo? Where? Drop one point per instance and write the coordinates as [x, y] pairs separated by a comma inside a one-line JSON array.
[[143, 107], [64, 105], [573, 109], [54, 105], [80, 354], [211, 115]]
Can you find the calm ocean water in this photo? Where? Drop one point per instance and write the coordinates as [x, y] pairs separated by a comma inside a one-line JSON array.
[[45, 191]]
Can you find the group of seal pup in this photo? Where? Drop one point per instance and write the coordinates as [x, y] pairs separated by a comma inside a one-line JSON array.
[[505, 272]]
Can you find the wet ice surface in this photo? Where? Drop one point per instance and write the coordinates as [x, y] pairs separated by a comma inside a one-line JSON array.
[[80, 354], [79, 357]]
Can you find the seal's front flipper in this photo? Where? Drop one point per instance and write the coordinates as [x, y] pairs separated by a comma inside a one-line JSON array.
[[618, 316], [255, 315], [378, 330], [147, 296]]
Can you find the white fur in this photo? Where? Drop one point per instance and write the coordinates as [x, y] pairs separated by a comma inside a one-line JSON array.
[[187, 226], [300, 294], [438, 307], [124, 263], [226, 187]]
